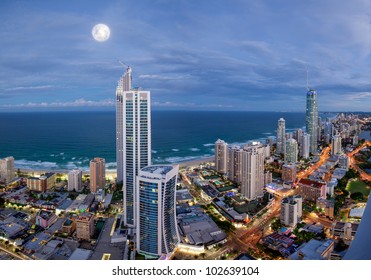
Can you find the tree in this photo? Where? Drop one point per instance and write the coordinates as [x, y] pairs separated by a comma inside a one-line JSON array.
[[356, 196], [2, 201]]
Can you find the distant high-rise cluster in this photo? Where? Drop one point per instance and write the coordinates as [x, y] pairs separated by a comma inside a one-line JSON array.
[[244, 165], [311, 120]]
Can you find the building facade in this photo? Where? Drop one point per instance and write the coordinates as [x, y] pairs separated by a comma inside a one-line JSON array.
[[291, 210], [221, 156], [311, 120], [7, 173], [289, 173], [97, 174], [281, 136], [336, 145], [75, 180], [85, 226], [156, 226], [124, 84], [305, 146], [252, 183], [41, 184], [291, 151], [311, 190]]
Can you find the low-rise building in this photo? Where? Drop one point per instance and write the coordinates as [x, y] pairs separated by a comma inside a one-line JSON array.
[[69, 226], [45, 218], [312, 190], [326, 205], [42, 183], [314, 250], [345, 231]]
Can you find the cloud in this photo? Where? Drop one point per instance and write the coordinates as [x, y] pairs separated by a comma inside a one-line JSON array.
[[26, 88], [77, 103]]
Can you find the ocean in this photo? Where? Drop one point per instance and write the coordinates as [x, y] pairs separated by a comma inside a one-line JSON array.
[[67, 140]]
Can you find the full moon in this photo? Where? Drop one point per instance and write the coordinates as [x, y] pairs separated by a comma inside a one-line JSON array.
[[101, 32]]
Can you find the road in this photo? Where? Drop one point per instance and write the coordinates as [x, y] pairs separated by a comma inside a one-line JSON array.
[[353, 163]]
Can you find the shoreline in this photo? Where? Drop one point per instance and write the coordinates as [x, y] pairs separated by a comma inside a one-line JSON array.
[[112, 173]]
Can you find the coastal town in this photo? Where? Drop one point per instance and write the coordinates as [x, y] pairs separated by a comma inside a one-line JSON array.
[[271, 200]]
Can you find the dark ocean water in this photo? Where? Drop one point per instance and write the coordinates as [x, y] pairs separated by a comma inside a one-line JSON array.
[[66, 140]]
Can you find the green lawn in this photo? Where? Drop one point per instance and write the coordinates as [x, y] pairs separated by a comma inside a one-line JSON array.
[[358, 186]]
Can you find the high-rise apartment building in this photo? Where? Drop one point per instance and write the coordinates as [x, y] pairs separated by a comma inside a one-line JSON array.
[[124, 84], [156, 225], [311, 120], [336, 145], [289, 173], [291, 151], [97, 174], [304, 147], [7, 169], [252, 183], [85, 226], [75, 180], [221, 156], [291, 210], [235, 164], [134, 129], [281, 136]]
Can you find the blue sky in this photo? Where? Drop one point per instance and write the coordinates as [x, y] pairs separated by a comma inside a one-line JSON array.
[[191, 54]]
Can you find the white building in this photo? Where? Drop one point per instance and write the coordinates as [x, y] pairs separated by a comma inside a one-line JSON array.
[[336, 145], [252, 183], [134, 129], [124, 84], [75, 180], [344, 162], [221, 156], [156, 226], [291, 210], [305, 145], [7, 173], [281, 136]]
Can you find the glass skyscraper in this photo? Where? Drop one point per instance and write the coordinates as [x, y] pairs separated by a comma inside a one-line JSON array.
[[311, 120], [156, 226], [133, 135], [281, 136]]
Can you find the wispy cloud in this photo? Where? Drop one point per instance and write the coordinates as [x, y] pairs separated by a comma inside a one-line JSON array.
[[76, 103]]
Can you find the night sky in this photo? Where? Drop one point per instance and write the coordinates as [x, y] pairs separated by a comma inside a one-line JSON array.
[[191, 54]]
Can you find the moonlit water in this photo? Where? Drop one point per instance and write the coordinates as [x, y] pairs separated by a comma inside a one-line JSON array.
[[67, 140]]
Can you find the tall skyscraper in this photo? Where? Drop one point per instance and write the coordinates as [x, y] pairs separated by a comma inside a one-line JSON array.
[[75, 180], [7, 169], [336, 145], [291, 153], [156, 226], [97, 174], [281, 136], [221, 156], [134, 130], [311, 119], [252, 183], [304, 147], [124, 84]]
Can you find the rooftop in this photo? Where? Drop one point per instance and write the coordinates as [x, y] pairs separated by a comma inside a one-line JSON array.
[[158, 169]]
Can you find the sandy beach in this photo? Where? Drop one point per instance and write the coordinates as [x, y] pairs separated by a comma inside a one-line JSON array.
[[112, 173]]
